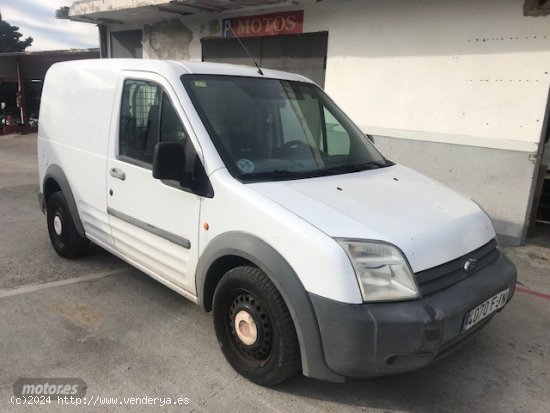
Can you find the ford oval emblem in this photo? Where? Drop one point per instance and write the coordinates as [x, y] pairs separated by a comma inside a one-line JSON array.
[[470, 265]]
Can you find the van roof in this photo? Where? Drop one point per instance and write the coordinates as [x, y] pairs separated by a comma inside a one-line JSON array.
[[181, 68]]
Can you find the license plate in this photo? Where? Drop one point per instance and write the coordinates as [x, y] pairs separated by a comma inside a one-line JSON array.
[[485, 309]]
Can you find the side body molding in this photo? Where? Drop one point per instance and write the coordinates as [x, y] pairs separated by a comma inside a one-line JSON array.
[[56, 173], [257, 251]]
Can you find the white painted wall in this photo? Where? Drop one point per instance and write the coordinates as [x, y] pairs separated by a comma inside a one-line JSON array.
[[461, 71]]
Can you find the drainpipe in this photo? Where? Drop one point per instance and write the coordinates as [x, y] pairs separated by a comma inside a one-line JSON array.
[[21, 94]]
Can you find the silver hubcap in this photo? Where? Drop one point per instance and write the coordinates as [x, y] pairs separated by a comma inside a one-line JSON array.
[[57, 225], [246, 328]]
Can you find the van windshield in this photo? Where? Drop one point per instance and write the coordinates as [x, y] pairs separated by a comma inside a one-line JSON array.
[[272, 129]]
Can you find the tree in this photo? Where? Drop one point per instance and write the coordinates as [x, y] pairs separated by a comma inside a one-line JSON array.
[[9, 38]]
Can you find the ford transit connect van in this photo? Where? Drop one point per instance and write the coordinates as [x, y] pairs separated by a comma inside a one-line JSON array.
[[256, 197]]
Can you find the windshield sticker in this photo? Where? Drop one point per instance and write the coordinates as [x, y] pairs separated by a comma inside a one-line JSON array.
[[246, 165], [200, 83]]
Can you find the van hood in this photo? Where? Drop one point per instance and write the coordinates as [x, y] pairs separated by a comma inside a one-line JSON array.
[[429, 222]]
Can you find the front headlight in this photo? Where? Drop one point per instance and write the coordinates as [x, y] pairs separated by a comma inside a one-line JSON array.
[[382, 271]]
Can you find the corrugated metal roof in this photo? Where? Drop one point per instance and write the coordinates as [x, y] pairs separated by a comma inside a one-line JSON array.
[[49, 52], [124, 11]]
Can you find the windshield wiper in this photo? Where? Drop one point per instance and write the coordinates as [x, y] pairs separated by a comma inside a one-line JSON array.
[[359, 167], [277, 174], [285, 174]]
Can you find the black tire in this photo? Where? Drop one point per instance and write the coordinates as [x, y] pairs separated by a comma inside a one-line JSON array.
[[275, 355], [68, 243]]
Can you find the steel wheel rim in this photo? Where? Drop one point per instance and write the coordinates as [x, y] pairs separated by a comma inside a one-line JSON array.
[[255, 352], [57, 225]]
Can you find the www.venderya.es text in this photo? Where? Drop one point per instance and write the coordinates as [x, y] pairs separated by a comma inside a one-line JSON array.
[[96, 400]]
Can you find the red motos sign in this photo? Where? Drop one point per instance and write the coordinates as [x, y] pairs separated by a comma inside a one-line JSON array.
[[265, 24]]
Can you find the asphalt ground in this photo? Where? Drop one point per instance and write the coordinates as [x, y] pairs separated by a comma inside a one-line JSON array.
[[127, 336]]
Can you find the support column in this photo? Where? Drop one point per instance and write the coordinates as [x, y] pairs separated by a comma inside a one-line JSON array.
[[103, 41], [21, 101]]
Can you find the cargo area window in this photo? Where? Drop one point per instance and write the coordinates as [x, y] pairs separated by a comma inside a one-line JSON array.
[[147, 116]]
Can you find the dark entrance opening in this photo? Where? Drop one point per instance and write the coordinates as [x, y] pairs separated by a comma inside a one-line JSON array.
[[127, 44], [539, 231], [304, 54]]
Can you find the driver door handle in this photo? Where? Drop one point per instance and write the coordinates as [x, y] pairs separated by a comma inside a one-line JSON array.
[[118, 174]]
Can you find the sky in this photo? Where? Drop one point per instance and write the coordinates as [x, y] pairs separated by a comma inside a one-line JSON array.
[[36, 18]]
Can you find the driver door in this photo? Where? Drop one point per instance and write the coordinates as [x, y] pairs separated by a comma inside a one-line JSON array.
[[154, 224]]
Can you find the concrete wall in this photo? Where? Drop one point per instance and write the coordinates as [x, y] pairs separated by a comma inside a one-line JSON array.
[[458, 89], [176, 39]]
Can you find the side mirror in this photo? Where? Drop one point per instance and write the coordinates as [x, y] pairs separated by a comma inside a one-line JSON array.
[[169, 161]]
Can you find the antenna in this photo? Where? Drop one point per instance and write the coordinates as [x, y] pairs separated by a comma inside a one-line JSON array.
[[246, 50]]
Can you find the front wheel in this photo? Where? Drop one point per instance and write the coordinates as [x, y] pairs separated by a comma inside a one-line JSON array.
[[254, 328]]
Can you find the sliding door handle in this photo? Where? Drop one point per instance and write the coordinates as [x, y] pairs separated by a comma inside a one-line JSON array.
[[118, 174]]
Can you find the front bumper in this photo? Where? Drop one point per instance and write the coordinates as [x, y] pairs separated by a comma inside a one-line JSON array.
[[373, 339]]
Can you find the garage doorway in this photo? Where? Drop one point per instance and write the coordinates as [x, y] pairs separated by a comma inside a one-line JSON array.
[[539, 230], [304, 54]]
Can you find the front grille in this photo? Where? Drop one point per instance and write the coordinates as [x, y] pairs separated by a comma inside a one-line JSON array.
[[445, 275]]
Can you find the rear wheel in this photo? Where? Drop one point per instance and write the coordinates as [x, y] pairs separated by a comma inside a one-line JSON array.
[[65, 239], [254, 328]]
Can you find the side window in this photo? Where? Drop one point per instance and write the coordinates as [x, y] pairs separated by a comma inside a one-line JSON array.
[[338, 140], [139, 120], [232, 115], [171, 128], [301, 119], [290, 125]]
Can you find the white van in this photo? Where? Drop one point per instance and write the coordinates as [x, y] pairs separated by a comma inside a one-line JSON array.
[[256, 197]]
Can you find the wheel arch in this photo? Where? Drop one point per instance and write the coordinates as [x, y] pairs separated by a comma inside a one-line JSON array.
[[55, 180], [233, 249]]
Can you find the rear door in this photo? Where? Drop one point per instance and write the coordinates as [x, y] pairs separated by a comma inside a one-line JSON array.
[[154, 223]]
